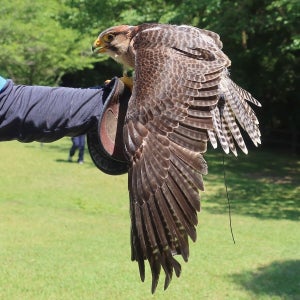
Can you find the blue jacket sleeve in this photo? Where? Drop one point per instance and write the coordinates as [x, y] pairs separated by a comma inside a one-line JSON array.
[[45, 114]]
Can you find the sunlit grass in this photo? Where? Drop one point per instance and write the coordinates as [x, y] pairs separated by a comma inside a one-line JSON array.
[[64, 230]]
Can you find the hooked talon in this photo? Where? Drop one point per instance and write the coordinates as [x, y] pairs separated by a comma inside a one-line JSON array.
[[128, 81]]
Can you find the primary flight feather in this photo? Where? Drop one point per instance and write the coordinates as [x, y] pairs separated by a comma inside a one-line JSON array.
[[182, 97]]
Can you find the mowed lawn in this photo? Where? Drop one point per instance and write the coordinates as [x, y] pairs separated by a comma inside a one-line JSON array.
[[64, 230]]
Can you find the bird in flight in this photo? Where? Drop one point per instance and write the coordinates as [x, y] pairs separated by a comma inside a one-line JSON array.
[[182, 98]]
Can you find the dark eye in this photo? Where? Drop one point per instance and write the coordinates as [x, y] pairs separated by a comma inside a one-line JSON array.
[[109, 37]]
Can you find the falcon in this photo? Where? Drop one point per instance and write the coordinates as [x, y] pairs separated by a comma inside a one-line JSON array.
[[182, 98]]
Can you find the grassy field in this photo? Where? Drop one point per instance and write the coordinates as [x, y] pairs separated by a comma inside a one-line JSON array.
[[64, 230]]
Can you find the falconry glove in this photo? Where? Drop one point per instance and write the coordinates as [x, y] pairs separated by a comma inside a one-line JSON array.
[[105, 141]]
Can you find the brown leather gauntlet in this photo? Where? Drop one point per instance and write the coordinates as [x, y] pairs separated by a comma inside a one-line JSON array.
[[105, 141]]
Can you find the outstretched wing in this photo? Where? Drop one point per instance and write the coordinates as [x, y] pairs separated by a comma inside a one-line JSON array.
[[171, 115]]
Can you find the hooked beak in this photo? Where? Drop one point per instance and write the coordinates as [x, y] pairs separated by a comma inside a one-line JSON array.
[[98, 46]]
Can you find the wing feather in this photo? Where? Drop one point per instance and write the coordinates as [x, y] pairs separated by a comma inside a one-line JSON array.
[[184, 226], [191, 133]]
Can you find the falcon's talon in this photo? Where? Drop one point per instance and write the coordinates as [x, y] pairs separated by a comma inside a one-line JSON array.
[[128, 81], [107, 81]]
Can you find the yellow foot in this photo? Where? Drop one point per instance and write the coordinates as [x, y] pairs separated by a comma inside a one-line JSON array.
[[128, 81]]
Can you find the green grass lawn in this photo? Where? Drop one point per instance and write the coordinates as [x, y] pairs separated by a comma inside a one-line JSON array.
[[64, 230]]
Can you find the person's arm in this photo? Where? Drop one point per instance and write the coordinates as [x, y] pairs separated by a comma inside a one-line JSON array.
[[45, 114]]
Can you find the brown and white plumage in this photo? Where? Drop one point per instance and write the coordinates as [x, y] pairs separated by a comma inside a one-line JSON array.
[[182, 97]]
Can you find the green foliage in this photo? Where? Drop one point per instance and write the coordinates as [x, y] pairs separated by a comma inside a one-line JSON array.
[[64, 230], [35, 48], [88, 16]]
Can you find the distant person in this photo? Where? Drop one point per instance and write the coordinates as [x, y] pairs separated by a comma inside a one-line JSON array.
[[78, 142]]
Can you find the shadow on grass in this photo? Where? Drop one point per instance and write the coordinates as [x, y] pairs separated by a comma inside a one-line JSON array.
[[261, 184], [61, 148], [66, 161], [280, 278], [50, 146]]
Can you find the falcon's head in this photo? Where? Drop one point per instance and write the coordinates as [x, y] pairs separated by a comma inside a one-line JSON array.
[[117, 43]]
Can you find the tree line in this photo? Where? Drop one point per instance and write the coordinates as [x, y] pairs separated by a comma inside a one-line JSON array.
[[49, 42]]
